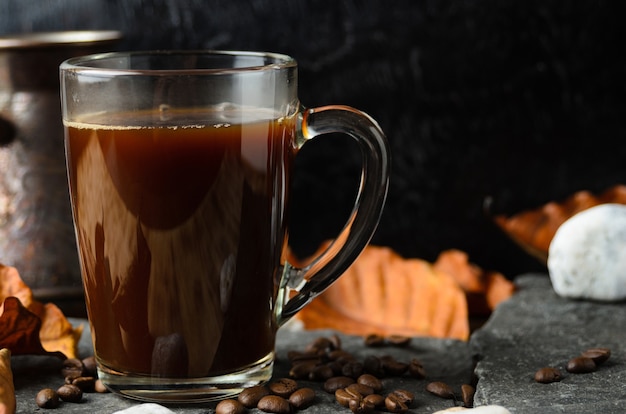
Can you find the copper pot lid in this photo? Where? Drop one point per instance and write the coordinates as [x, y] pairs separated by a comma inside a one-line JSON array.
[[61, 38]]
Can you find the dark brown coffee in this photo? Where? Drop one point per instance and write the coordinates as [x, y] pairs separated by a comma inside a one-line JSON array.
[[180, 219]]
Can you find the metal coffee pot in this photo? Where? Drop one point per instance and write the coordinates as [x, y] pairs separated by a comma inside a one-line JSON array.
[[36, 230]]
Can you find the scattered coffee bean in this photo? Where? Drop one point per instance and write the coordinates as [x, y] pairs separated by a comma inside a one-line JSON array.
[[394, 404], [344, 396], [250, 397], [70, 393], [598, 355], [90, 367], [283, 387], [274, 404], [361, 406], [321, 373], [547, 375], [100, 387], [392, 367], [302, 398], [440, 389], [416, 369], [47, 398], [72, 368], [371, 381], [335, 340], [230, 406], [374, 340], [333, 384], [399, 340], [374, 365], [467, 395], [361, 389], [86, 384], [405, 396], [352, 369], [580, 365], [321, 344], [376, 399]]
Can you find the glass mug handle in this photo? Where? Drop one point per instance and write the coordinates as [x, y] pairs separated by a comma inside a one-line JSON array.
[[298, 286]]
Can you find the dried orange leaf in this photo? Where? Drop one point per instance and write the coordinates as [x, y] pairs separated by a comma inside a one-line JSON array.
[[7, 388], [56, 334], [534, 229], [19, 330], [386, 294], [11, 284], [484, 290]]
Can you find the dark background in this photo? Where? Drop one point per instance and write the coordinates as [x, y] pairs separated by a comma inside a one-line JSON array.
[[517, 102]]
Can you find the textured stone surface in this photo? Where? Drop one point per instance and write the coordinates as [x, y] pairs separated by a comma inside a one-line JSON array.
[[537, 328], [444, 360], [533, 329]]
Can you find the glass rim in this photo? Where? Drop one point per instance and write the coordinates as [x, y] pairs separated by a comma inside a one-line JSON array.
[[81, 63]]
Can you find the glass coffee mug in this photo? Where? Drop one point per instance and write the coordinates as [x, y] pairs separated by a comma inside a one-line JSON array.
[[179, 165]]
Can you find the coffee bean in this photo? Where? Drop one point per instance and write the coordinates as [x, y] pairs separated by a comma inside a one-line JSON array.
[[467, 395], [283, 387], [100, 387], [361, 406], [333, 384], [335, 340], [274, 404], [230, 406], [297, 356], [374, 340], [371, 381], [399, 340], [86, 384], [90, 367], [416, 369], [392, 367], [352, 369], [599, 355], [580, 365], [547, 375], [344, 396], [374, 365], [440, 389], [361, 389], [393, 404], [250, 397], [321, 373], [320, 344], [72, 368], [302, 370], [340, 354], [405, 396], [47, 398], [376, 399], [302, 398], [70, 393]]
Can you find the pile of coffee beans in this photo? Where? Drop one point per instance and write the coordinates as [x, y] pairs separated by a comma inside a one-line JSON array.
[[80, 376], [587, 361], [281, 396]]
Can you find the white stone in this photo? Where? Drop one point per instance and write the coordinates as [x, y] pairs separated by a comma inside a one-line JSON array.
[[485, 409], [147, 408], [587, 256]]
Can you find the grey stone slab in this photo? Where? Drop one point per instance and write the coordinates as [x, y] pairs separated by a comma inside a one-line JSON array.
[[537, 328], [445, 360]]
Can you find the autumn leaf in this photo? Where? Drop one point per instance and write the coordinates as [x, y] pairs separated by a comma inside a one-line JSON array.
[[31, 327], [7, 388], [19, 330]]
